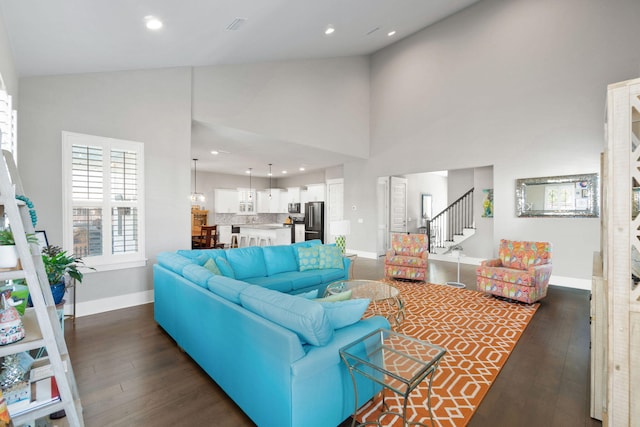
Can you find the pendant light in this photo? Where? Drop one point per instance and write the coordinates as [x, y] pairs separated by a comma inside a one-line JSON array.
[[250, 169], [270, 181], [195, 196]]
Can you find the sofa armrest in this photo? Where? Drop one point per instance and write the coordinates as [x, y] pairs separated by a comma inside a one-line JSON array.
[[319, 358], [541, 273], [390, 253], [491, 263], [424, 255]]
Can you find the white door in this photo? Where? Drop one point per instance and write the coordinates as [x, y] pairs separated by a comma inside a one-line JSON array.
[[383, 216], [398, 206]]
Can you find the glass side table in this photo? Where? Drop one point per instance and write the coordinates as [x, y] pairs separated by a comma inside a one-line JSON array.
[[396, 362]]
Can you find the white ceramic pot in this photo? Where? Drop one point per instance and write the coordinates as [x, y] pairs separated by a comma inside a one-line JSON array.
[[8, 257]]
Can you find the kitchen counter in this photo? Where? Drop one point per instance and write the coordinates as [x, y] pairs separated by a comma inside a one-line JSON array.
[[271, 234]]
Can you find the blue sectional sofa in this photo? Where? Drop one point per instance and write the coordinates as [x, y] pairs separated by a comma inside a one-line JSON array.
[[273, 350]]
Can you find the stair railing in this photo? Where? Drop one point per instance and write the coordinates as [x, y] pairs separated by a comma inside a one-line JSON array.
[[451, 221]]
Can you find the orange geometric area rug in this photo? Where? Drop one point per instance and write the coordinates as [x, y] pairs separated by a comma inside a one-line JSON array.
[[477, 330]]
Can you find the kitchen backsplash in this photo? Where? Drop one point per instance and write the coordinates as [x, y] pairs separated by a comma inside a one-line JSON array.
[[263, 218]]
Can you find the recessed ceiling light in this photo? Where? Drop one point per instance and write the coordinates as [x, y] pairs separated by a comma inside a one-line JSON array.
[[301, 169], [390, 33], [284, 172], [215, 152], [329, 30], [152, 22], [248, 171]]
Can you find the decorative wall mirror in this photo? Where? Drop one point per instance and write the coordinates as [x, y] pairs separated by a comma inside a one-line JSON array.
[[558, 196], [427, 208]]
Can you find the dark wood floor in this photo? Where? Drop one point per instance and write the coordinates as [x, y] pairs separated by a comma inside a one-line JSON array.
[[130, 373]]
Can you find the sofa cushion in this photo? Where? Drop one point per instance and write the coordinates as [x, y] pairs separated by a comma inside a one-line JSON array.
[[197, 274], [173, 261], [345, 313], [279, 259], [308, 258], [225, 267], [301, 279], [312, 294], [247, 262], [201, 255], [226, 287], [211, 265], [304, 317], [277, 283], [331, 275], [406, 261], [330, 256]]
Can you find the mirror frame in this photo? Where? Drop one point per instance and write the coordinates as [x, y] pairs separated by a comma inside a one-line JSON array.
[[591, 186]]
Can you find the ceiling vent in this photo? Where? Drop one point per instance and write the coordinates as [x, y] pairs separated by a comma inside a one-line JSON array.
[[236, 24]]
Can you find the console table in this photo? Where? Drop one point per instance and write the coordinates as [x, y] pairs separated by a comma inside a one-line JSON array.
[[397, 362]]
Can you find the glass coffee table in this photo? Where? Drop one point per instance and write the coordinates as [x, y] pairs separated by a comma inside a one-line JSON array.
[[398, 363], [386, 300]]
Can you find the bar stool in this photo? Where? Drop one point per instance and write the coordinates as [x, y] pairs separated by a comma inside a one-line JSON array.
[[264, 241], [252, 240], [234, 240]]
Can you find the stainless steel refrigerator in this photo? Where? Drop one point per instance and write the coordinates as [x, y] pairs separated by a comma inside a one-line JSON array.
[[314, 221]]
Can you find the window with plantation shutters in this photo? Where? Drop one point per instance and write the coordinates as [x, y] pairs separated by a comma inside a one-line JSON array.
[[103, 213]]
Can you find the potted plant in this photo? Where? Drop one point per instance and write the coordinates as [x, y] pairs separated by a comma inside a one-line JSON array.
[[57, 265], [8, 252]]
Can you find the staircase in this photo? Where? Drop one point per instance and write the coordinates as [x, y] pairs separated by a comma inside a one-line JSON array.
[[452, 226]]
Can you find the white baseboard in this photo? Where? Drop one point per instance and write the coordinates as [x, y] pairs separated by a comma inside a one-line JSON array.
[[363, 254], [112, 303]]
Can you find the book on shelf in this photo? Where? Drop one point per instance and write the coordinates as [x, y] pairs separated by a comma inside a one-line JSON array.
[[43, 392]]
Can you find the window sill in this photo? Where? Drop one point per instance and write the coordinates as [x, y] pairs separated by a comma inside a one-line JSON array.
[[109, 266]]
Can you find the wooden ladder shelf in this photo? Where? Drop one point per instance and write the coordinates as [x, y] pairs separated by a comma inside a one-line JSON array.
[[41, 322]]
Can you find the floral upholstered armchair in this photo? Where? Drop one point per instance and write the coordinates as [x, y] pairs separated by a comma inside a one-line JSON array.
[[521, 272], [407, 258]]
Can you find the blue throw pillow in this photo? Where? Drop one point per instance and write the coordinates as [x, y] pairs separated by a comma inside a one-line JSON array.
[[308, 258], [225, 268], [304, 317], [345, 313], [330, 256], [309, 295]]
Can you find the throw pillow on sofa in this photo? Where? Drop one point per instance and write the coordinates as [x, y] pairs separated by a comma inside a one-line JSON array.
[[304, 317], [225, 268], [308, 258], [345, 313], [330, 256], [212, 267]]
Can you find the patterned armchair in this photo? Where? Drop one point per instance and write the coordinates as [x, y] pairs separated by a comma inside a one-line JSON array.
[[520, 273], [407, 258]]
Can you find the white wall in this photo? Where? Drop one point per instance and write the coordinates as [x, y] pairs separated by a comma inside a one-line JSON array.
[[152, 107], [319, 103], [516, 84], [424, 183], [7, 65]]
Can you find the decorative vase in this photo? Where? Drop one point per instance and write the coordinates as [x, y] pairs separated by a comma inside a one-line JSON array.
[[8, 256], [57, 291]]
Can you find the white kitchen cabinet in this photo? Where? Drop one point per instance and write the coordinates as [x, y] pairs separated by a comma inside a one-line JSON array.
[[299, 232], [293, 195], [315, 193], [263, 201], [226, 200], [271, 204], [247, 201]]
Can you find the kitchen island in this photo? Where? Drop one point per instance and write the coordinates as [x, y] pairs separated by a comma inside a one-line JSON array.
[[264, 235]]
